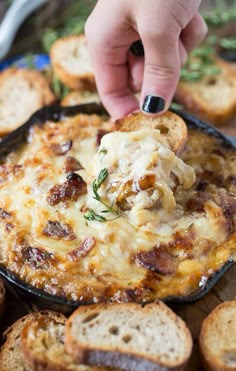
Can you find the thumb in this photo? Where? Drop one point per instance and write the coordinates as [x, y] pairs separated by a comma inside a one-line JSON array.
[[161, 72]]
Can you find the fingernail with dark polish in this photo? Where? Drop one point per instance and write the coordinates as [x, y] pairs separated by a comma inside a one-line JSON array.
[[153, 104], [137, 48]]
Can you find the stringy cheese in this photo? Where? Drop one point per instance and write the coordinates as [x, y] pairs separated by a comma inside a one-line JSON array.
[[142, 173]]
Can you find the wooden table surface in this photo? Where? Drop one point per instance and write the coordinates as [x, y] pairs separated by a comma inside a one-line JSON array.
[[193, 313]]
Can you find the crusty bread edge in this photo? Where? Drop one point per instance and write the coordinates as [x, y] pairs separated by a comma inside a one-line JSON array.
[[39, 82], [210, 362], [131, 361], [176, 145], [183, 96], [79, 82], [8, 335], [119, 360], [34, 362]]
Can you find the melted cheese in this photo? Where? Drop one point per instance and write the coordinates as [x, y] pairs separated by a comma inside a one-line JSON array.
[[109, 271], [142, 171]]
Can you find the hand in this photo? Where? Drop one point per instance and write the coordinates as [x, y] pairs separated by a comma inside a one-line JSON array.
[[168, 29]]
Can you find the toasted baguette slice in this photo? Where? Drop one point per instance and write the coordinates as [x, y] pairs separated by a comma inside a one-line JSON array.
[[2, 297], [218, 338], [169, 124], [11, 356], [78, 97], [22, 92], [71, 63], [43, 344], [129, 336], [213, 98]]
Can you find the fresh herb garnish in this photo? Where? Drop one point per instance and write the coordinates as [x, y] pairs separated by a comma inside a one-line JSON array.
[[103, 151], [220, 15], [90, 214], [201, 61], [60, 90], [228, 43], [72, 22], [176, 106]]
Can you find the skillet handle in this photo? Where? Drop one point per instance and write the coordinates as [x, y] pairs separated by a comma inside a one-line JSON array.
[[14, 17]]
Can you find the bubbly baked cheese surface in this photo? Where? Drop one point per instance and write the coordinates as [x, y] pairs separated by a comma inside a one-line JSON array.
[[147, 230]]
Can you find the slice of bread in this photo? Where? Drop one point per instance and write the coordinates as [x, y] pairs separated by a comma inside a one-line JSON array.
[[22, 92], [71, 63], [218, 338], [129, 336], [78, 97], [43, 344], [11, 356], [213, 98], [2, 297], [170, 125]]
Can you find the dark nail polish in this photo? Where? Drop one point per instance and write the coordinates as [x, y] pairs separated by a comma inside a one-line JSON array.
[[153, 104], [137, 48]]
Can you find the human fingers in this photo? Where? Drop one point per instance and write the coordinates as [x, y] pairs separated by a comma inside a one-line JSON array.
[[193, 34], [136, 68], [164, 51], [109, 51]]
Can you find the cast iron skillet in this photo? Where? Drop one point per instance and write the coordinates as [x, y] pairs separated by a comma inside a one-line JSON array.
[[56, 114]]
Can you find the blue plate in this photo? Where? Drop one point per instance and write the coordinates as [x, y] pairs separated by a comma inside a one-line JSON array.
[[37, 61]]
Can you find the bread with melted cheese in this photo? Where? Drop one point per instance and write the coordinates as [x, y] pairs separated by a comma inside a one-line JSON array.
[[22, 92], [71, 62], [43, 344], [218, 338], [129, 336], [212, 98], [171, 126]]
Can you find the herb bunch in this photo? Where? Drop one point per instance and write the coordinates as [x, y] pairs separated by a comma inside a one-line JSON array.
[[220, 15], [199, 64], [73, 23], [201, 61], [90, 215]]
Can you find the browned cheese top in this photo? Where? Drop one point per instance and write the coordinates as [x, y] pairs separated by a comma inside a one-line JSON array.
[[131, 256]]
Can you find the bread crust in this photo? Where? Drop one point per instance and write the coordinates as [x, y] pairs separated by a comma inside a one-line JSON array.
[[78, 97], [36, 83], [170, 125], [12, 334], [13, 344], [188, 94], [111, 356], [73, 79], [40, 361], [216, 326]]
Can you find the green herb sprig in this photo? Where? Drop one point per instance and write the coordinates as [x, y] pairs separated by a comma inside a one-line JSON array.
[[199, 64], [220, 15], [228, 43], [90, 215], [72, 22], [103, 151]]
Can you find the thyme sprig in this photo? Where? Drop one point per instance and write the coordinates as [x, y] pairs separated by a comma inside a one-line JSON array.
[[103, 151], [228, 43], [90, 215], [199, 64], [220, 15]]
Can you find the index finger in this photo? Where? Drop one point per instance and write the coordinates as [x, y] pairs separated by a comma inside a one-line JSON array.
[[109, 57]]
